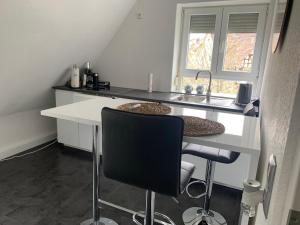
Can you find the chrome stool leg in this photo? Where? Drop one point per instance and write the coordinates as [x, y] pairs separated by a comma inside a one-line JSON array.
[[96, 220], [149, 215], [204, 216]]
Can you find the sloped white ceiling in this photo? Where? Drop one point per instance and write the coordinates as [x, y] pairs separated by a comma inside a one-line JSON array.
[[40, 39]]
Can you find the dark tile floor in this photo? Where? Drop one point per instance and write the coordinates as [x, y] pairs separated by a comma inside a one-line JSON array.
[[54, 187]]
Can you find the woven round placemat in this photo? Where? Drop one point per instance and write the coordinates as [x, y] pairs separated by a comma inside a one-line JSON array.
[[197, 127], [145, 108]]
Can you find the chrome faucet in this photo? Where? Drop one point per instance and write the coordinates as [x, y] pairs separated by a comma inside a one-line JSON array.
[[208, 93]]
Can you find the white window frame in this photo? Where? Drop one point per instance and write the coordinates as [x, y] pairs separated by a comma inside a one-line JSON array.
[[222, 16], [188, 13], [244, 76]]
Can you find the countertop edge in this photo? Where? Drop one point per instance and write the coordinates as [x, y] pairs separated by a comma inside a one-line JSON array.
[[124, 95]]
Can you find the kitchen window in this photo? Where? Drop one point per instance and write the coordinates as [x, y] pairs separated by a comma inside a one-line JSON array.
[[225, 40]]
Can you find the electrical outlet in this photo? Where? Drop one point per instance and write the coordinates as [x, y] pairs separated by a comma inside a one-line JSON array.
[[294, 218]]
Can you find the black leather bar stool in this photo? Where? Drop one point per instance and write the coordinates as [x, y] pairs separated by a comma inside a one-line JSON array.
[[145, 151], [205, 216]]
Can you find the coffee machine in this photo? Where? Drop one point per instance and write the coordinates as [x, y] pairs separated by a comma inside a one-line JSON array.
[[92, 79]]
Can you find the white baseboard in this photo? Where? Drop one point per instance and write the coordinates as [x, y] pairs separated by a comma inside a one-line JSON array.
[[24, 145]]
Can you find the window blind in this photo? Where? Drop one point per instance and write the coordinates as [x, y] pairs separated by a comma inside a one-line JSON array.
[[243, 23], [203, 24]]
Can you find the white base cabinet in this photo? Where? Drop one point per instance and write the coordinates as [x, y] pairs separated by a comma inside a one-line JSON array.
[[67, 131], [80, 136], [70, 133], [85, 132]]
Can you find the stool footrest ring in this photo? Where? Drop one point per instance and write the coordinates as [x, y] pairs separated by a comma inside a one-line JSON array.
[[192, 183], [162, 216]]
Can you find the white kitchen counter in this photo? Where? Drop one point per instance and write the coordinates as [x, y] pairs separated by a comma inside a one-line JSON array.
[[242, 133]]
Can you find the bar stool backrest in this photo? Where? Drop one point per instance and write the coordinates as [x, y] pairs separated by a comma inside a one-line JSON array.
[[142, 150]]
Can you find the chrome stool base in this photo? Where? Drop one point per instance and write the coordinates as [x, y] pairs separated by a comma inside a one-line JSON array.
[[157, 219], [102, 221], [197, 216]]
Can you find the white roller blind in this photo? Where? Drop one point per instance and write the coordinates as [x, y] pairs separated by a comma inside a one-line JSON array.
[[203, 24], [243, 23]]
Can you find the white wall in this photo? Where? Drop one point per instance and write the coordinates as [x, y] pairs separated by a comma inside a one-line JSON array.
[[143, 46], [280, 113], [295, 198], [21, 131], [38, 41]]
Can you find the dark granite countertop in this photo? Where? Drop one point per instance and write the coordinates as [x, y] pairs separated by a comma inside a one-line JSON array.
[[218, 103]]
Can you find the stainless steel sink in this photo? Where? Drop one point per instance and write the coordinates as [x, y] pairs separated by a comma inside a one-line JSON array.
[[215, 101], [220, 102], [189, 98]]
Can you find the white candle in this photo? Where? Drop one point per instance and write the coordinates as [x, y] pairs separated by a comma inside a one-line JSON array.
[[75, 78], [150, 82]]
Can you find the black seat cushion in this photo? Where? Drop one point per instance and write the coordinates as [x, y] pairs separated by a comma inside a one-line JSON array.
[[213, 154], [187, 170]]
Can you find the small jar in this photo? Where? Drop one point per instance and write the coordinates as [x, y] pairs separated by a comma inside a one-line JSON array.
[[200, 89], [188, 89]]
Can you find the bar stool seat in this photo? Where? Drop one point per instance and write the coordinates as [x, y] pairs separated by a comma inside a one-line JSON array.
[[204, 215], [213, 154]]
